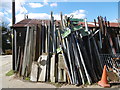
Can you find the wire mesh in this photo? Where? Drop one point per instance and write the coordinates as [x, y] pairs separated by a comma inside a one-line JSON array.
[[111, 60]]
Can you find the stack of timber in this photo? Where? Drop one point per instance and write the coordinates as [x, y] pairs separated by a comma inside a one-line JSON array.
[[65, 50]]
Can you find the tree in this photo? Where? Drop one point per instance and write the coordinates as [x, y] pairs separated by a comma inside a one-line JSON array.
[[6, 37]]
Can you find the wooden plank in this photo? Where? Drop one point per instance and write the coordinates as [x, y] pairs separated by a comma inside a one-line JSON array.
[[40, 39], [25, 52], [43, 38], [37, 49], [21, 60], [30, 51], [48, 52], [18, 59], [52, 31], [34, 40], [15, 42], [46, 38]]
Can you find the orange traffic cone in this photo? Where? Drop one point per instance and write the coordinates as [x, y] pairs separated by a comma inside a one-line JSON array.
[[103, 82]]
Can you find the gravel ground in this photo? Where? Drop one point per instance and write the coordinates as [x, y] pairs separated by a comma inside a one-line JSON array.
[[15, 82]]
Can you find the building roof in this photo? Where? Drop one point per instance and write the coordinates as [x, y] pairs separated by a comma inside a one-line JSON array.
[[92, 24], [30, 22], [113, 24]]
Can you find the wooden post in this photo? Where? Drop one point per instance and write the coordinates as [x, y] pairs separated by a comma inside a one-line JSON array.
[[15, 48], [25, 51], [48, 51]]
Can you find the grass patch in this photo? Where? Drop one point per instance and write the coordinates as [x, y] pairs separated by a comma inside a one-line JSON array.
[[10, 73], [86, 83], [56, 84], [27, 78]]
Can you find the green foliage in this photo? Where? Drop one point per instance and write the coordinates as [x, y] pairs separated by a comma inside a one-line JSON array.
[[10, 73], [87, 83], [6, 37], [27, 78]]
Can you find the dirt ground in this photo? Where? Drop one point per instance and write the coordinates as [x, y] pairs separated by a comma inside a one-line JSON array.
[[15, 82]]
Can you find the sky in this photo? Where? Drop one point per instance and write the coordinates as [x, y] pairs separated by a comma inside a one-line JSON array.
[[41, 9]]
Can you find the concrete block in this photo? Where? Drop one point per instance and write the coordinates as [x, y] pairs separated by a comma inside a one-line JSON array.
[[61, 69], [52, 69], [42, 67], [34, 72]]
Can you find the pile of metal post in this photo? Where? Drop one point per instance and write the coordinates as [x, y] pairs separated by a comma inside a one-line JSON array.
[[108, 39], [79, 50], [63, 51], [108, 43], [72, 52]]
